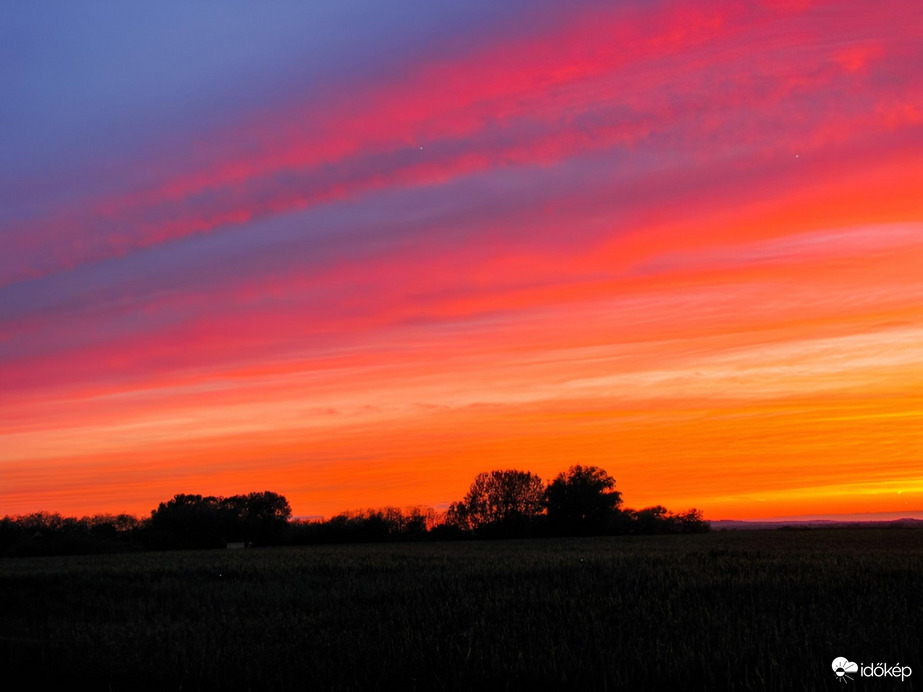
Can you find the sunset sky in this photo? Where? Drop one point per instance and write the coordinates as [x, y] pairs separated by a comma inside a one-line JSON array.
[[358, 252]]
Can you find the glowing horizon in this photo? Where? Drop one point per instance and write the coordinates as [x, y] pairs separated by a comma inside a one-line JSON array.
[[287, 250]]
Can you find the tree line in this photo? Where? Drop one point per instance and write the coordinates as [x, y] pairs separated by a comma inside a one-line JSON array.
[[185, 521], [581, 501]]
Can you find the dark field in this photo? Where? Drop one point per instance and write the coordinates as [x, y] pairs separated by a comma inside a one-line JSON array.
[[738, 611]]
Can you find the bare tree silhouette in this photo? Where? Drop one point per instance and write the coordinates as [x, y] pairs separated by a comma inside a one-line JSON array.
[[499, 502]]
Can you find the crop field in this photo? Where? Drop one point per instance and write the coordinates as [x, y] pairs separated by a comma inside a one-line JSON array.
[[757, 610]]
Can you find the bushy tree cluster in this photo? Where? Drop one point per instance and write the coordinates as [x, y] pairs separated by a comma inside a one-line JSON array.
[[370, 525], [658, 519], [580, 501], [43, 533], [194, 521]]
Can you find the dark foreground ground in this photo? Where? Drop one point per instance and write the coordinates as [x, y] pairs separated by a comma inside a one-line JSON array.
[[737, 611]]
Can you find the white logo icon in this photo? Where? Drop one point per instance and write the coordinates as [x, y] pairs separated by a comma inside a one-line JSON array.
[[841, 666]]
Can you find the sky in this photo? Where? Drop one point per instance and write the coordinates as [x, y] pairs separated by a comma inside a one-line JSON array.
[[357, 253]]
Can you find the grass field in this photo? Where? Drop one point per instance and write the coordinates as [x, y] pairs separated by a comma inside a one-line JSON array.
[[727, 610]]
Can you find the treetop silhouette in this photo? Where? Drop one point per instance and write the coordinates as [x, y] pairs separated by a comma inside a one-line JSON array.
[[582, 500], [499, 501]]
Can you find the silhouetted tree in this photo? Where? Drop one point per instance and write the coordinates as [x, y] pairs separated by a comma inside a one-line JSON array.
[[189, 521], [651, 520], [194, 521], [582, 500], [255, 517], [658, 519], [499, 503], [457, 516], [690, 521], [368, 525]]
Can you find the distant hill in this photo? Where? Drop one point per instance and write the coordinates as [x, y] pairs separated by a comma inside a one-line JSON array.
[[735, 525]]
